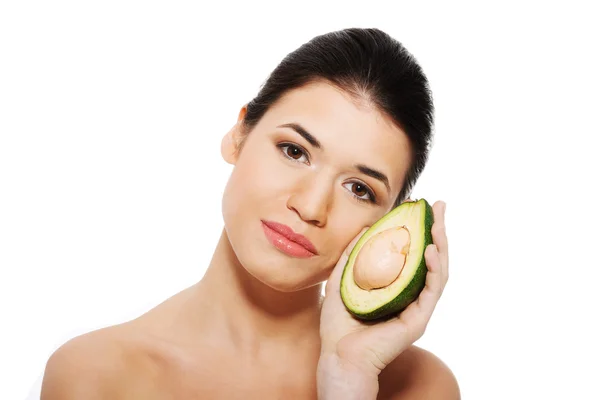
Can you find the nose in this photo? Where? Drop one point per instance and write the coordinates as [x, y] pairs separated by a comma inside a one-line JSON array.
[[311, 200]]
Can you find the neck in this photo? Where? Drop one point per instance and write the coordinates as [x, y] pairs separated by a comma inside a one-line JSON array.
[[253, 314]]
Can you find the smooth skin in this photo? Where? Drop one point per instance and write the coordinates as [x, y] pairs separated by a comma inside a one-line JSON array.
[[256, 325]]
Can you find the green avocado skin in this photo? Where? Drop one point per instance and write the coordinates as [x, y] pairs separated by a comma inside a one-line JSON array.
[[413, 289]]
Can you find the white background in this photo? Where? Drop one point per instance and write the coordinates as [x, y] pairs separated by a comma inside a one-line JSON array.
[[111, 116]]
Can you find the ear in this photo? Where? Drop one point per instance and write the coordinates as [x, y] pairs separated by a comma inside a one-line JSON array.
[[231, 142]]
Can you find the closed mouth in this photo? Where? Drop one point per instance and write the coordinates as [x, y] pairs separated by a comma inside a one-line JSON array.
[[288, 233]]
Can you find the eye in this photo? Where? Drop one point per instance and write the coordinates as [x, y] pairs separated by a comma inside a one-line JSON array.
[[361, 192], [293, 152]]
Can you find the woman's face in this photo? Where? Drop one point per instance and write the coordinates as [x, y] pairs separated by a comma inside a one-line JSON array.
[[321, 190]]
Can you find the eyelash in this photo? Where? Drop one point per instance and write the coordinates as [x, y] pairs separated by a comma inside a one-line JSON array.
[[282, 146], [372, 198]]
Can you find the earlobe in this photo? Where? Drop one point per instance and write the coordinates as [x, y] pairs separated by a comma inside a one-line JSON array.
[[230, 143], [228, 148]]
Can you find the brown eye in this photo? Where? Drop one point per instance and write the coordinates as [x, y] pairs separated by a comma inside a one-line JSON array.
[[294, 152], [361, 192], [359, 189]]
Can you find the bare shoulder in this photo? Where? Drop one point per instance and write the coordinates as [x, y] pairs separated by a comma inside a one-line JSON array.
[[418, 374], [89, 366]]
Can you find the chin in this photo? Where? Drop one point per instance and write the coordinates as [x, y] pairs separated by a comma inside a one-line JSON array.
[[280, 272], [288, 286], [271, 267]]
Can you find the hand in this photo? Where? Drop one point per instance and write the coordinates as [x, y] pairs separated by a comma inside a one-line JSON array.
[[366, 348]]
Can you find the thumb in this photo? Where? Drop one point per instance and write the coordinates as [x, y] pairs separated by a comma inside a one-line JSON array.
[[333, 283]]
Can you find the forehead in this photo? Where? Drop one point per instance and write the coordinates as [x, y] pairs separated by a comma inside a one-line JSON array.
[[350, 131]]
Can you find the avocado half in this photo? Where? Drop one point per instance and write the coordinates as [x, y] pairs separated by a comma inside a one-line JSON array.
[[417, 217]]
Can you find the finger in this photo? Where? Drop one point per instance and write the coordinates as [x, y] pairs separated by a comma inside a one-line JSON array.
[[417, 314], [438, 230], [333, 283], [440, 238], [434, 281]]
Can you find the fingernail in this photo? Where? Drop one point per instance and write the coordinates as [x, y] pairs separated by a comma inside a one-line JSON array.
[[444, 208]]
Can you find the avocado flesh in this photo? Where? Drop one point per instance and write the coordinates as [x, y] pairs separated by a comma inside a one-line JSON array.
[[417, 217]]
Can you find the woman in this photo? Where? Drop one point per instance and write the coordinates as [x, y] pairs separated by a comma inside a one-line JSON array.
[[336, 138]]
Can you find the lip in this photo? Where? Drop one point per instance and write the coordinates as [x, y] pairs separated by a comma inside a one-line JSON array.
[[284, 238]]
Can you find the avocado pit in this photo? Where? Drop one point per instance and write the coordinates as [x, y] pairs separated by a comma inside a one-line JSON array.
[[382, 258]]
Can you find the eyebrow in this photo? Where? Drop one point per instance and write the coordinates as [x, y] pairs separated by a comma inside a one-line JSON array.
[[360, 167], [374, 174], [304, 133]]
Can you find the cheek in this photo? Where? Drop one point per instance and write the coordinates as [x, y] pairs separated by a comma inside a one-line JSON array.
[[262, 179], [254, 182]]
